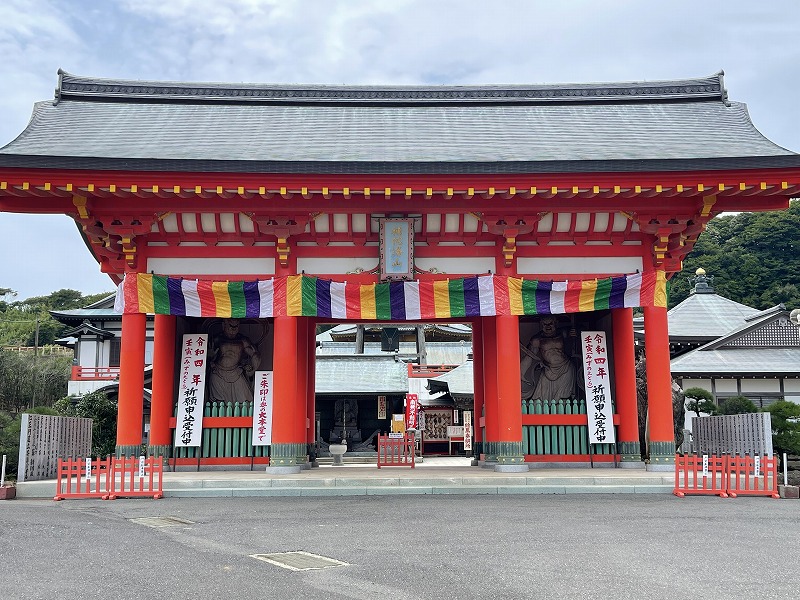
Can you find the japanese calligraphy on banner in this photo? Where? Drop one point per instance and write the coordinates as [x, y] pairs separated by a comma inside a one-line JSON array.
[[191, 390], [599, 405], [412, 411], [397, 249], [467, 430], [262, 409], [381, 407]]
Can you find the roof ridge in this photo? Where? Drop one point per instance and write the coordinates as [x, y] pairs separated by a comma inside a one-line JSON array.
[[81, 87]]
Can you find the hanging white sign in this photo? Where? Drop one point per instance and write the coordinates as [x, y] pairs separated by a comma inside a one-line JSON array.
[[599, 403], [262, 409], [467, 430], [191, 390]]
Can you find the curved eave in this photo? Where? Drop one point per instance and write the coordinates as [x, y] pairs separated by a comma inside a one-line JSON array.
[[22, 161]]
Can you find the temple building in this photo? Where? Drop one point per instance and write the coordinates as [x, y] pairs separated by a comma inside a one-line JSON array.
[[734, 349], [242, 216]]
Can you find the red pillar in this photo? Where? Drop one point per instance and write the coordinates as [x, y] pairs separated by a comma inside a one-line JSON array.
[[286, 442], [311, 362], [659, 388], [302, 389], [131, 385], [625, 386], [509, 396], [477, 384], [490, 389], [163, 396]]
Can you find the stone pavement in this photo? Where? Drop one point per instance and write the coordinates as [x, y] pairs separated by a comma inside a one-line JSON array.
[[436, 475]]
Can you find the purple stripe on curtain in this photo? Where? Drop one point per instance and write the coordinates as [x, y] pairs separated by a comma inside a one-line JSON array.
[[177, 305], [323, 298], [617, 297], [252, 299], [543, 289], [397, 300], [472, 300]]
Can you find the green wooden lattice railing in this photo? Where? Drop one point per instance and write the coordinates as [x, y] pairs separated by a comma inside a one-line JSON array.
[[225, 442], [558, 439]]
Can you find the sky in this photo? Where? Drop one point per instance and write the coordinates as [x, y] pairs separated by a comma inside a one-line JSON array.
[[455, 42]]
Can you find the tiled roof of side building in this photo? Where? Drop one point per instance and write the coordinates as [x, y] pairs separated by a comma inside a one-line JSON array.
[[635, 126]]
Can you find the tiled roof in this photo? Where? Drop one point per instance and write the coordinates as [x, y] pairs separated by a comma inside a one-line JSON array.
[[106, 124], [360, 375], [707, 316], [738, 362], [459, 381], [768, 345]]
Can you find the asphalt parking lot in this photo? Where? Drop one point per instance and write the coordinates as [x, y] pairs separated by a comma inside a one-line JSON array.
[[582, 546]]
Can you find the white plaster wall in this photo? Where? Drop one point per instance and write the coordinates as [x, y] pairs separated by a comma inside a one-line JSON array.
[[148, 352], [585, 265], [87, 354], [79, 388], [791, 385], [726, 386], [477, 265], [212, 266], [335, 266], [704, 384], [765, 386]]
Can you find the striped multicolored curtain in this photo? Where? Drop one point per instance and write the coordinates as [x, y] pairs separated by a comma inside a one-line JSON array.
[[305, 296]]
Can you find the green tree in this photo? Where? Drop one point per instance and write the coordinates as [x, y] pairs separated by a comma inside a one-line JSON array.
[[700, 400], [103, 412], [27, 380], [751, 256], [785, 417], [737, 405]]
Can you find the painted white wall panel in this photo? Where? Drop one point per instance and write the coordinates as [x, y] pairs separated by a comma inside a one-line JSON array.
[[726, 386], [211, 266], [579, 265], [467, 266], [335, 266], [766, 386]]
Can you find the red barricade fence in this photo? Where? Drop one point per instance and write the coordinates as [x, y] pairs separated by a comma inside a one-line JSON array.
[[726, 476], [753, 476], [701, 475], [396, 451], [110, 478], [83, 478]]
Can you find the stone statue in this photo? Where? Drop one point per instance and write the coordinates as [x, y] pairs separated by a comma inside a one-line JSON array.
[[546, 368], [233, 360]]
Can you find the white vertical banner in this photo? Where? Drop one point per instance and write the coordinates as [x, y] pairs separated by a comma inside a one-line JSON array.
[[141, 466], [467, 430], [262, 409], [381, 407], [599, 403], [191, 390]]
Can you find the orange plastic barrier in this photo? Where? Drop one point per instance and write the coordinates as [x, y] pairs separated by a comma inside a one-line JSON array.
[[701, 475], [395, 451], [109, 478], [753, 476]]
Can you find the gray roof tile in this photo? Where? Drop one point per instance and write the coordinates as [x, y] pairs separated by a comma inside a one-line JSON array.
[[360, 375], [341, 129]]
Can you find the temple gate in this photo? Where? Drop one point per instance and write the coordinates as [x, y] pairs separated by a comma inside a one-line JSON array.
[[289, 206]]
